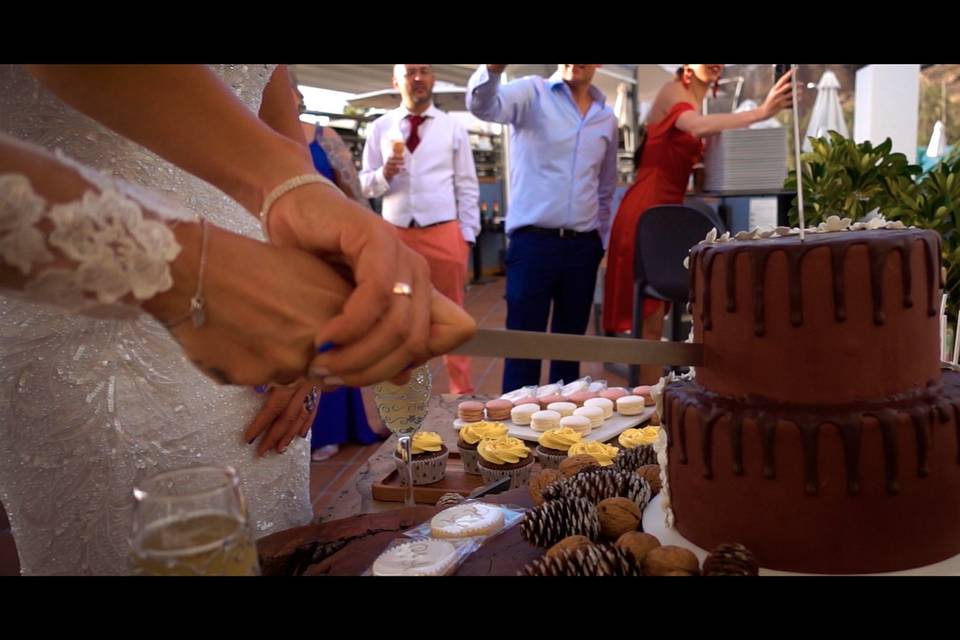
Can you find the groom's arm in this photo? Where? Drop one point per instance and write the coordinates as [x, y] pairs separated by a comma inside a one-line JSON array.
[[187, 115]]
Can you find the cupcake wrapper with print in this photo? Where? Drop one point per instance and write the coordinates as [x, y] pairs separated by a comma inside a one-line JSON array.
[[550, 460], [469, 458], [633, 459], [424, 471], [519, 477]]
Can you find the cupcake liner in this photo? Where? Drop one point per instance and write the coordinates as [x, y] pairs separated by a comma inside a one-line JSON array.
[[519, 476], [424, 471], [469, 458], [550, 461]]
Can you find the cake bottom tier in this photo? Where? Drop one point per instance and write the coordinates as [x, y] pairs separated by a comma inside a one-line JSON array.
[[861, 488]]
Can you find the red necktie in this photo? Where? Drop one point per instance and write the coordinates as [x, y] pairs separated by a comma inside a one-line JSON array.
[[414, 138]]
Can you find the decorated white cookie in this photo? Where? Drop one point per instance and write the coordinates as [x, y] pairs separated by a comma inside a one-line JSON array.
[[418, 558], [466, 520]]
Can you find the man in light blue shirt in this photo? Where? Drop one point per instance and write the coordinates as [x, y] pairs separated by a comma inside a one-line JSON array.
[[563, 172]]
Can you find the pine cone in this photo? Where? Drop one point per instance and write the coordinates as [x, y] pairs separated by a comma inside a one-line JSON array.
[[597, 560], [731, 560], [450, 500], [632, 459], [555, 520], [596, 485]]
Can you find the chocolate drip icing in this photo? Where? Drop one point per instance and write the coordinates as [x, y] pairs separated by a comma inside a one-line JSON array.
[[879, 244], [731, 270], [708, 258], [888, 420], [878, 257], [923, 407], [759, 271], [706, 441], [736, 443], [768, 433], [905, 270], [682, 433], [850, 433], [922, 419], [809, 431], [837, 253], [795, 291]]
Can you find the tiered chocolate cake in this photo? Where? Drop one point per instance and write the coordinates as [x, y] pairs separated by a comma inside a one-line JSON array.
[[820, 431]]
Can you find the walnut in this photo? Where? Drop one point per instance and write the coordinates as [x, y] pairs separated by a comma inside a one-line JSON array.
[[672, 561], [651, 473], [575, 464], [540, 482], [570, 543], [638, 544], [617, 516]]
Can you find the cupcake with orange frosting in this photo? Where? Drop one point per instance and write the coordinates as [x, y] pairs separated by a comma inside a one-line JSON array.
[[470, 436], [636, 448], [604, 454], [429, 458], [505, 457], [553, 445]]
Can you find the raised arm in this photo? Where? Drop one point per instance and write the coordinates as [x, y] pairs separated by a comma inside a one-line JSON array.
[[492, 101]]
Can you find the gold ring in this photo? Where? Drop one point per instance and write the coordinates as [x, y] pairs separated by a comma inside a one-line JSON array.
[[403, 289]]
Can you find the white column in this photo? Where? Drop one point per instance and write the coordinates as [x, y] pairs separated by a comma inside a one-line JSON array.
[[887, 106]]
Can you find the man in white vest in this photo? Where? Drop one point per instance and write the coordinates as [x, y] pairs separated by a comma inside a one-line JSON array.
[[418, 159]]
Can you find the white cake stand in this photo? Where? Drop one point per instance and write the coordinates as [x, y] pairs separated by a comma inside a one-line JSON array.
[[654, 523]]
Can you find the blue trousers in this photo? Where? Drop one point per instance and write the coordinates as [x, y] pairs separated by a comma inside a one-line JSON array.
[[341, 418], [544, 270]]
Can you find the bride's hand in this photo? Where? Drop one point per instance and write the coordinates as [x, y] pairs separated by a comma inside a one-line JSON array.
[[450, 326], [380, 331], [264, 305], [287, 413]]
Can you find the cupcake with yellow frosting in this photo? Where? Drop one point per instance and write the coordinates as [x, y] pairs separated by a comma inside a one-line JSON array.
[[553, 445], [429, 458], [470, 436], [636, 448], [505, 457], [604, 454]]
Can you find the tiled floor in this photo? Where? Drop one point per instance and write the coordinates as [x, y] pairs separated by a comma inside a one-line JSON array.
[[487, 305]]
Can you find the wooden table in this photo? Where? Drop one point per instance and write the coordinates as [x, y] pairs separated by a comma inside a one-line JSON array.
[[348, 535]]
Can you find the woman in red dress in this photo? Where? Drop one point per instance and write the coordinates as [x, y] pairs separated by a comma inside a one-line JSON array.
[[675, 128]]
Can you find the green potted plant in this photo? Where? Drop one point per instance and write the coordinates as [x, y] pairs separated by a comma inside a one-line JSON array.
[[841, 177]]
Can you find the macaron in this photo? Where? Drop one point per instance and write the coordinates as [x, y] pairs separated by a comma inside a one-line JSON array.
[[470, 411]]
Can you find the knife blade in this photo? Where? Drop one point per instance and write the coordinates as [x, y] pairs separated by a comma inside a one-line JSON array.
[[501, 343], [497, 486]]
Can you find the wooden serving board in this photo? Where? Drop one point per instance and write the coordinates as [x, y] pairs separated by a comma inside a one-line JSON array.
[[456, 481]]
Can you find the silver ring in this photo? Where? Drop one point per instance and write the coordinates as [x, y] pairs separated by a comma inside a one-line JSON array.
[[403, 289], [310, 401]]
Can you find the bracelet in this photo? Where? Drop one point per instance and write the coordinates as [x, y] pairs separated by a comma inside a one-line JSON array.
[[282, 189], [197, 302]]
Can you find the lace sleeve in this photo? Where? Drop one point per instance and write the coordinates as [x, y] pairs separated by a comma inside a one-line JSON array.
[[342, 162], [92, 255]]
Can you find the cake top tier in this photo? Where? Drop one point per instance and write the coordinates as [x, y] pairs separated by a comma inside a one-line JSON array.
[[879, 242]]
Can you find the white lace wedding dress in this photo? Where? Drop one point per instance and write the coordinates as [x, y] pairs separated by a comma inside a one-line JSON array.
[[90, 407]]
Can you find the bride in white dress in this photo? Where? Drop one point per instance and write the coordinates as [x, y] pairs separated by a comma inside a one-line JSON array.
[[88, 407]]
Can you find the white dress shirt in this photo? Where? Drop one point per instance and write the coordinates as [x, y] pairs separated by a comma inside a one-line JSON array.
[[438, 182]]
